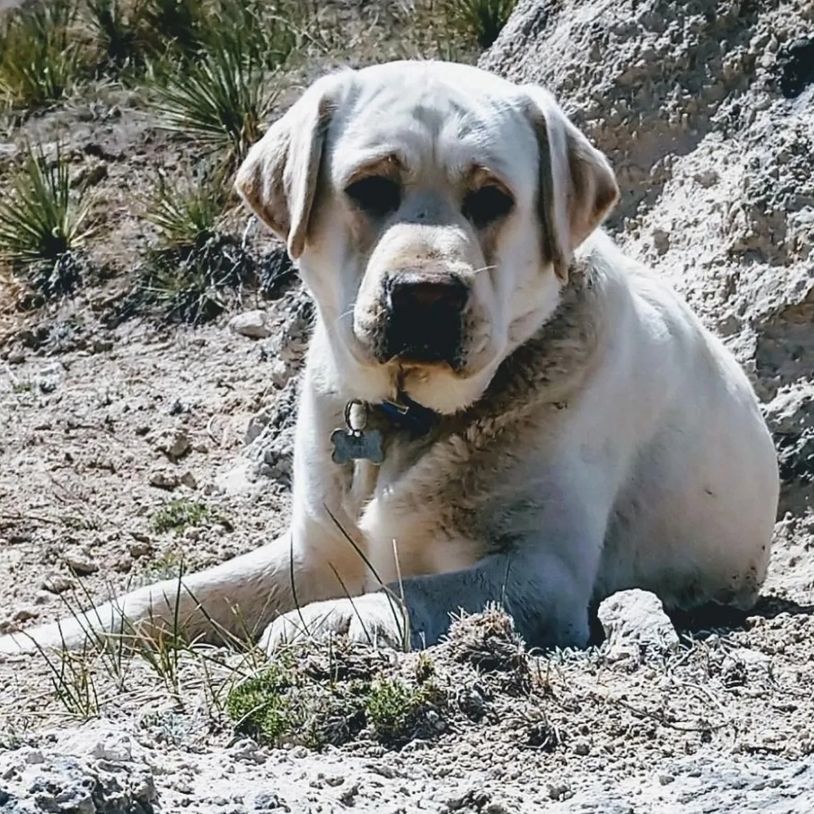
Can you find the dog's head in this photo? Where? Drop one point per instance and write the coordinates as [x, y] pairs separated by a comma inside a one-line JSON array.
[[433, 209]]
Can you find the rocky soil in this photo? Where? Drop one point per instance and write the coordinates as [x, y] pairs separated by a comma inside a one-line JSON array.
[[132, 450]]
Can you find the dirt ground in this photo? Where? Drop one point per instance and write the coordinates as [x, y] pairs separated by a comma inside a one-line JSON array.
[[133, 448]]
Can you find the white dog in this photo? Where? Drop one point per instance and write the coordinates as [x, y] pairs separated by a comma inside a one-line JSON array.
[[497, 405]]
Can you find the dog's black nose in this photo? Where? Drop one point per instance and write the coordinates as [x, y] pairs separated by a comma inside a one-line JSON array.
[[425, 317]]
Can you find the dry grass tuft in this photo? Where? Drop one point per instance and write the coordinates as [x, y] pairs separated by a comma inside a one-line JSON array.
[[488, 641]]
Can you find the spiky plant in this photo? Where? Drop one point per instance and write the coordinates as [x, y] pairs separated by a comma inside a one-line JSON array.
[[481, 19], [180, 23], [185, 214], [43, 222], [196, 271], [38, 60], [221, 100], [118, 32]]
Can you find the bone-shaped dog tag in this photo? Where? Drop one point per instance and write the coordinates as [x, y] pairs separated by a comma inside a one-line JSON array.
[[354, 443]]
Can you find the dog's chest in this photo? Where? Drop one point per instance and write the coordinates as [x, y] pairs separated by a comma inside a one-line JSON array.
[[399, 510]]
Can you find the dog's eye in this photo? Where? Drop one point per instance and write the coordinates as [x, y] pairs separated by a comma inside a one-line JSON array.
[[375, 194], [486, 205]]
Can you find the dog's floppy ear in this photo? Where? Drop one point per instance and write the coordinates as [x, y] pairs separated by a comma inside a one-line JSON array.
[[278, 178], [576, 187]]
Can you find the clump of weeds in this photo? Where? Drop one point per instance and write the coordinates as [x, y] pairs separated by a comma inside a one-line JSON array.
[[327, 693]]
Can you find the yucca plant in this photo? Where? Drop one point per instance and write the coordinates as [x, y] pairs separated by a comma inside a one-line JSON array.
[[38, 60], [185, 215], [119, 32], [481, 19], [262, 32], [43, 222], [221, 100], [196, 271], [180, 24]]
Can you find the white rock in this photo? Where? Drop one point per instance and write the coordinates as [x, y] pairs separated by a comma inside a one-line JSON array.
[[254, 324], [56, 583], [80, 564], [240, 479], [174, 443], [635, 624]]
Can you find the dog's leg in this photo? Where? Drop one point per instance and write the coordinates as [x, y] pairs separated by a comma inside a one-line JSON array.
[[545, 580], [546, 597], [233, 600]]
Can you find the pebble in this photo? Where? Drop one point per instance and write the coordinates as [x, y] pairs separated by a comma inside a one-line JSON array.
[[56, 583], [188, 479], [80, 564], [254, 324], [163, 479], [140, 547], [24, 614], [175, 444]]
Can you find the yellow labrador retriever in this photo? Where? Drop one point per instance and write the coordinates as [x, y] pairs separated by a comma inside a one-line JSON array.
[[497, 404]]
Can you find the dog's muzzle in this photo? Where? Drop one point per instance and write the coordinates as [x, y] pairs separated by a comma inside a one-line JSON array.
[[424, 316]]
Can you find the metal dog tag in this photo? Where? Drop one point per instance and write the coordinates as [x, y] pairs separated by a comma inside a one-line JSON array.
[[355, 443]]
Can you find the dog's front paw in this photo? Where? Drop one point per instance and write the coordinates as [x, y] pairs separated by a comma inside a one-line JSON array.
[[377, 619]]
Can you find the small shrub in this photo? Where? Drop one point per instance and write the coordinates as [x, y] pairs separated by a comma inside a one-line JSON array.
[[278, 707], [481, 19], [185, 214], [489, 642], [258, 706], [196, 271], [180, 514], [319, 693], [39, 61], [197, 284], [43, 222], [397, 713]]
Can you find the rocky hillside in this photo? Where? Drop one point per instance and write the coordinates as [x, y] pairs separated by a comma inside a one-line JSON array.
[[706, 110]]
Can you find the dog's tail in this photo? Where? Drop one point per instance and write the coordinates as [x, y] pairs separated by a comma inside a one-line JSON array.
[[231, 602]]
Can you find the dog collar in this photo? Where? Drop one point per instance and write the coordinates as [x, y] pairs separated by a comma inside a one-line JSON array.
[[357, 442], [406, 414]]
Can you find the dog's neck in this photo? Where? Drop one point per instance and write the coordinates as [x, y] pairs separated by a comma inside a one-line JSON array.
[[545, 369], [552, 363]]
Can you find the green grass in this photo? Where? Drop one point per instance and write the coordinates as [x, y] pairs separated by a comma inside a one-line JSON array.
[[395, 711], [196, 271], [43, 222], [260, 704], [317, 694], [38, 61], [282, 705], [186, 213], [180, 24], [180, 514], [119, 33]]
